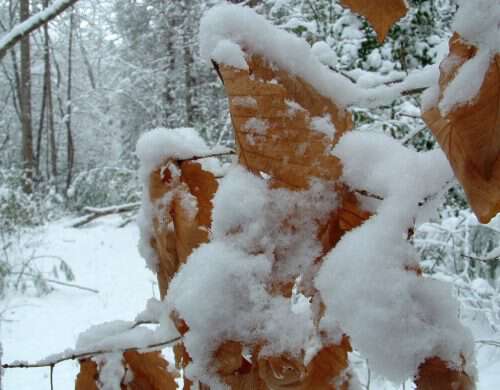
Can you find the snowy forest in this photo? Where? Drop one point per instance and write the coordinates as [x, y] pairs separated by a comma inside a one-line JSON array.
[[250, 194]]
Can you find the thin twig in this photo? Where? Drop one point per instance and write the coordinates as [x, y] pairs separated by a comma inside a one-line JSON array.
[[411, 135], [369, 194], [492, 343], [53, 281], [98, 213], [88, 354], [52, 377], [228, 152]]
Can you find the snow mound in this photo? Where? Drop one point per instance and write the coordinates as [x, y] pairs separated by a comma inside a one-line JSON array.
[[399, 317]]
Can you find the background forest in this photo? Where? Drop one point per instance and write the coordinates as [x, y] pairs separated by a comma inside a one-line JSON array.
[[75, 98]]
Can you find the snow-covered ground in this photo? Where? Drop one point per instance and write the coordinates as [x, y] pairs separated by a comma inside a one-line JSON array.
[[105, 257]]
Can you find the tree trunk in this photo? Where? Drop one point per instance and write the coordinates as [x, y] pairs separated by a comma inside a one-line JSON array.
[[25, 98], [70, 143], [49, 107]]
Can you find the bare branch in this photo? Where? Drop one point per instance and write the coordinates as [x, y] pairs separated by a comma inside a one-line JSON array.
[[98, 213], [88, 354], [53, 281], [31, 24], [492, 343]]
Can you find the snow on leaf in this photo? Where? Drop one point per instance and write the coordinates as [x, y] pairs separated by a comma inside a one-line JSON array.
[[470, 134], [288, 150], [381, 14], [183, 192], [325, 371], [149, 372], [88, 375], [235, 370]]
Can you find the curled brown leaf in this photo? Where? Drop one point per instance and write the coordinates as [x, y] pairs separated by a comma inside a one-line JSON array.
[[470, 134]]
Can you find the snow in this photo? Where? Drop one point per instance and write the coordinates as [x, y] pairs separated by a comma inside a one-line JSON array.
[[97, 254], [259, 234], [466, 84], [402, 318], [244, 101], [157, 146], [229, 53], [255, 35], [325, 53], [1, 369], [259, 126], [478, 23], [103, 257], [26, 26], [227, 300], [112, 371], [324, 125]]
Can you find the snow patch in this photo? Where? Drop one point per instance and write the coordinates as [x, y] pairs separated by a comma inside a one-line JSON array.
[[401, 318], [324, 125]]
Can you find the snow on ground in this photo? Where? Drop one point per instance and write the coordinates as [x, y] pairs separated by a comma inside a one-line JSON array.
[[102, 257], [105, 257]]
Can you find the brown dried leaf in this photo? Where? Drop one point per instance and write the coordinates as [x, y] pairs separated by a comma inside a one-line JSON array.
[[381, 14], [176, 231], [434, 374], [88, 375], [289, 150], [190, 233], [150, 371], [280, 373], [348, 216], [470, 134], [236, 371]]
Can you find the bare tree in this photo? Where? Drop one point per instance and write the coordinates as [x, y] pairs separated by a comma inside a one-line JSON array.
[[33, 23], [70, 142], [25, 99]]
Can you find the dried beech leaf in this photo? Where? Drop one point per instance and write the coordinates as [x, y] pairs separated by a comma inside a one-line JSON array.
[[228, 357], [434, 374], [470, 134], [235, 371], [381, 14], [348, 216], [88, 375], [288, 149], [280, 373], [150, 371], [176, 231], [191, 232]]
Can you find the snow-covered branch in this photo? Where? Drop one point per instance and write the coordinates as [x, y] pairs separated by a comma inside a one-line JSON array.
[[73, 355], [94, 213], [31, 24]]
